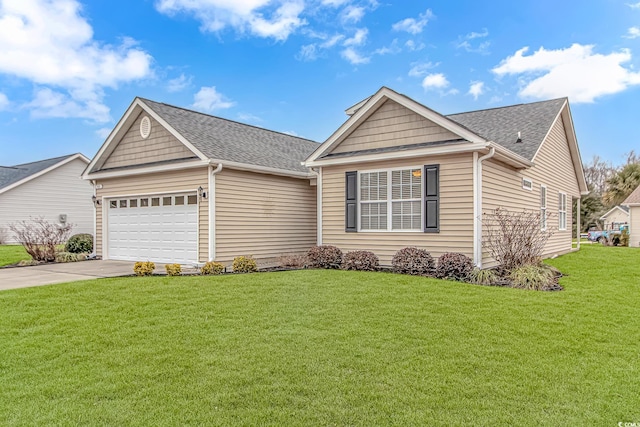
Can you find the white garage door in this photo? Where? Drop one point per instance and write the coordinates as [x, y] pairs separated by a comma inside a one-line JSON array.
[[155, 228]]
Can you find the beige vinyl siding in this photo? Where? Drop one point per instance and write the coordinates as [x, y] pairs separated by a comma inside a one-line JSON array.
[[392, 125], [59, 191], [161, 145], [263, 215], [618, 217], [164, 182], [634, 226], [502, 187], [456, 210]]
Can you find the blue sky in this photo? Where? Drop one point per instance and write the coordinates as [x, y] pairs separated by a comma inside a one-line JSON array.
[[70, 68]]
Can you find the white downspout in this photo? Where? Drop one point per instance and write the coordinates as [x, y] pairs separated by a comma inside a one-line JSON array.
[[578, 228], [212, 210], [95, 218], [318, 174], [477, 241]]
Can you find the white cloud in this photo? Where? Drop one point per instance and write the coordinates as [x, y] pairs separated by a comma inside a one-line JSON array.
[[358, 39], [334, 3], [420, 70], [312, 51], [179, 83], [332, 41], [264, 18], [352, 14], [435, 81], [209, 99], [51, 44], [412, 25], [103, 133], [466, 42], [634, 5], [4, 102], [249, 118], [393, 48], [632, 33], [354, 57], [308, 52], [476, 89], [576, 72], [413, 46]]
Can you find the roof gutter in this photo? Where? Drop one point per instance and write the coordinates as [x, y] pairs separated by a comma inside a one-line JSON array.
[[262, 169]]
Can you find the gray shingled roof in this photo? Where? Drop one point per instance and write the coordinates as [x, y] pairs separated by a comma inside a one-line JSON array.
[[224, 139], [11, 174], [501, 125], [633, 197]]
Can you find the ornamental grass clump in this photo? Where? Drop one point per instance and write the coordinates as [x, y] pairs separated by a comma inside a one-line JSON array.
[[454, 266], [533, 277], [414, 261], [483, 277], [325, 256], [212, 268], [360, 261], [144, 268], [244, 264]]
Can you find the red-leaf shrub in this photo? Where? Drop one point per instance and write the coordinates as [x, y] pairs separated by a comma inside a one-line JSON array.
[[361, 261], [413, 261], [454, 266], [324, 256]]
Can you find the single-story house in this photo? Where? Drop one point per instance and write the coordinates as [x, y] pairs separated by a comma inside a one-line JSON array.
[[398, 174], [175, 185], [49, 188], [633, 203], [615, 218]]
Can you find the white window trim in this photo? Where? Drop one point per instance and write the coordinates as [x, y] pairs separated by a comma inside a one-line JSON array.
[[562, 195], [389, 200], [530, 187], [543, 209]]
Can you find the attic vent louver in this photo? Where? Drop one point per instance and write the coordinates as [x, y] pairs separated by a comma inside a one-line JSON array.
[[145, 127]]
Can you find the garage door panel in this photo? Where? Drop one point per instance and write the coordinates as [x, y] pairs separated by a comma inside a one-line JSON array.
[[165, 233]]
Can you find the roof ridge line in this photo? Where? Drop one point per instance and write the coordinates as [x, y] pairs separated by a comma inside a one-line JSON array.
[[228, 120], [19, 166], [505, 106]]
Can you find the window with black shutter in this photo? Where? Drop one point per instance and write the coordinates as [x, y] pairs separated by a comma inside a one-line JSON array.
[[351, 201], [432, 198]]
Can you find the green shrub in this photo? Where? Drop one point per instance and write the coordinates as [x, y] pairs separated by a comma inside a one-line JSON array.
[[360, 261], [413, 261], [454, 266], [144, 268], [533, 277], [173, 269], [79, 243], [483, 277], [212, 267], [70, 257], [244, 264], [325, 256]]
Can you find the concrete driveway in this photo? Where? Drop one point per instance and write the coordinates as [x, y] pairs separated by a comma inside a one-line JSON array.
[[48, 274]]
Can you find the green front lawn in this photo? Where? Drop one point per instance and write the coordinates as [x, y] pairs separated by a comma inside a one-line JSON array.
[[12, 254], [326, 348]]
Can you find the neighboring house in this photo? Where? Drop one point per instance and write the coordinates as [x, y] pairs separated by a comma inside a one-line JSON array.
[[175, 185], [398, 174], [633, 203], [50, 188], [615, 218]]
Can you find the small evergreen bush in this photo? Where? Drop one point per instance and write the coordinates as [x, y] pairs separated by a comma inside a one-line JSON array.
[[325, 256], [79, 243], [361, 261], [144, 268], [413, 261], [173, 269], [212, 267], [454, 266], [244, 264]]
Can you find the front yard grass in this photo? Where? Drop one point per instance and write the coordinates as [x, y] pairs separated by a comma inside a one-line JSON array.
[[12, 254], [326, 348]]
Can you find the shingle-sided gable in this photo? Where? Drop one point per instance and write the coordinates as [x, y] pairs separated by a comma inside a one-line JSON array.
[[501, 125], [392, 125], [222, 139], [634, 198], [134, 149]]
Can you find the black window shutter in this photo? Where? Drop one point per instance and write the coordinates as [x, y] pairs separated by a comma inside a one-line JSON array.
[[432, 198], [351, 202]]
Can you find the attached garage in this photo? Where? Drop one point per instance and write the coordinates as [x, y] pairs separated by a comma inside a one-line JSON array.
[[163, 228]]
